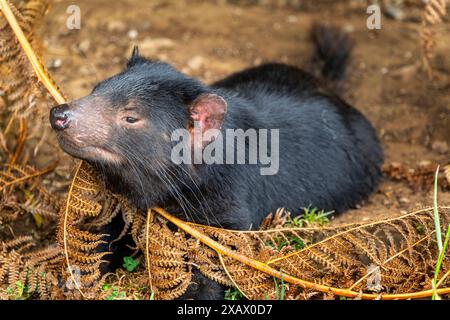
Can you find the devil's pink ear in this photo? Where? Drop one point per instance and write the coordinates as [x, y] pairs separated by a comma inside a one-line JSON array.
[[208, 112]]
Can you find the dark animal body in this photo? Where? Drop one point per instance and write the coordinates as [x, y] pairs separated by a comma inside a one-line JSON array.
[[329, 155]]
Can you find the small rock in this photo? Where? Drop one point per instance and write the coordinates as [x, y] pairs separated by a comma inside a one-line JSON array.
[[84, 70], [55, 64], [403, 200], [424, 163], [258, 61], [406, 72], [195, 63], [394, 12], [384, 71], [349, 28], [116, 26], [292, 19], [84, 46], [408, 54], [133, 34], [440, 147]]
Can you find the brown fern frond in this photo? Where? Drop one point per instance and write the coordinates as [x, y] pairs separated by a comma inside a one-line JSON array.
[[22, 266], [336, 258], [418, 178], [313, 262], [433, 13], [13, 176], [23, 101], [21, 192], [391, 259], [87, 208], [18, 79]]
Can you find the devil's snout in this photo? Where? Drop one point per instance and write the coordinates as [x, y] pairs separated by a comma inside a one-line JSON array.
[[60, 117]]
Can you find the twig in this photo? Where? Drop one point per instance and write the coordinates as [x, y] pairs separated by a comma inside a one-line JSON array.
[[20, 141]]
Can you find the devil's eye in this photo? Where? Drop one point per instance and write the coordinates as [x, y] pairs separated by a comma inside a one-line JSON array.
[[131, 120]]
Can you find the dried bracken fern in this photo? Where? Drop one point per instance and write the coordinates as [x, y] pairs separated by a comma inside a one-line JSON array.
[[17, 32], [29, 273], [28, 268], [14, 176], [389, 259], [18, 26], [400, 252], [418, 178], [88, 207], [21, 191], [17, 78], [433, 13], [21, 95]]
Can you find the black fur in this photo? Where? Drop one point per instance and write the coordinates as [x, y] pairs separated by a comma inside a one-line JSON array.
[[330, 156], [331, 52]]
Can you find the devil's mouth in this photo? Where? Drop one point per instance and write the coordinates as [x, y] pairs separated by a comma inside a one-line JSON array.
[[87, 152]]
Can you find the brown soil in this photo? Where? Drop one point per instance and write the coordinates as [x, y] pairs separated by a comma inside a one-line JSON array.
[[210, 39]]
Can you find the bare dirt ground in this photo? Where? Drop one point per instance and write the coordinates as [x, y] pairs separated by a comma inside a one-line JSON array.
[[210, 39]]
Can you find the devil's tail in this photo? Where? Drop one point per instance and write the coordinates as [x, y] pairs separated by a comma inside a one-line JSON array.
[[332, 49]]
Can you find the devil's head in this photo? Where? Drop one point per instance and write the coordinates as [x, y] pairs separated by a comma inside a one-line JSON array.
[[124, 126]]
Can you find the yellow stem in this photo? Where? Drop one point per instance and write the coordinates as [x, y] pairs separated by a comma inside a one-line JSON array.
[[222, 262], [26, 177], [20, 141], [147, 250], [66, 216], [29, 52]]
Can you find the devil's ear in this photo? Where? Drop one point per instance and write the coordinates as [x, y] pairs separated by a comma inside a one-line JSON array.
[[207, 112], [135, 57]]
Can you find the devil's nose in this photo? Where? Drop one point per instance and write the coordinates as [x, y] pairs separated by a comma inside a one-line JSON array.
[[60, 117]]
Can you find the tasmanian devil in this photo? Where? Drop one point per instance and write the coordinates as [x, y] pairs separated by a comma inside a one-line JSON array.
[[324, 152]]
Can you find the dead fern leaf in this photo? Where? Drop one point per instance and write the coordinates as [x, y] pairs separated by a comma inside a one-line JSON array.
[[401, 252], [324, 266], [393, 257], [13, 176], [13, 59], [21, 93], [418, 178], [21, 191], [433, 13], [79, 237], [22, 266]]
